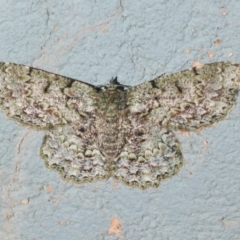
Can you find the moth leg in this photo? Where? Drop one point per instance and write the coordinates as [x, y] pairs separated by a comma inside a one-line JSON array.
[[64, 151], [147, 163]]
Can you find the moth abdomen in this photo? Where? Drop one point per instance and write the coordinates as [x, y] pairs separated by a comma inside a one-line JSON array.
[[110, 138]]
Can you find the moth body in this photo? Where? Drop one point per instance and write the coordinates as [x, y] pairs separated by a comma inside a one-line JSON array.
[[110, 109]]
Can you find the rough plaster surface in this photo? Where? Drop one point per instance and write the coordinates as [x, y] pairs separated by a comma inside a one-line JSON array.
[[136, 41]]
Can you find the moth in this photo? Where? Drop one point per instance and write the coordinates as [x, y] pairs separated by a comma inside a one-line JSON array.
[[94, 133]]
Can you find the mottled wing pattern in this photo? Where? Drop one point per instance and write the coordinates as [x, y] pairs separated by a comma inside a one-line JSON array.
[[65, 107], [74, 154], [42, 99], [82, 121], [187, 100], [149, 158], [151, 152], [191, 99]]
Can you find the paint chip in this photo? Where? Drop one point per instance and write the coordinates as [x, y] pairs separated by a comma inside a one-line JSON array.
[[49, 188], [217, 41], [25, 201], [115, 227], [104, 30], [184, 133], [210, 54], [197, 64]]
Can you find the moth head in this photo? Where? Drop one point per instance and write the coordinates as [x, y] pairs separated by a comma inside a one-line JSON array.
[[113, 85]]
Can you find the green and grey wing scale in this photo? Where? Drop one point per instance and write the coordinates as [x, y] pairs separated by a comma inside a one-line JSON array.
[[147, 160], [198, 97], [65, 150], [32, 96], [69, 112], [190, 99]]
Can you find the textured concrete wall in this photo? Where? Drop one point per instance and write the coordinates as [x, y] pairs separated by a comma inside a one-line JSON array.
[[136, 41]]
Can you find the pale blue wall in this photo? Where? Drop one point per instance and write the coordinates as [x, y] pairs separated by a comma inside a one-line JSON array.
[[93, 41]]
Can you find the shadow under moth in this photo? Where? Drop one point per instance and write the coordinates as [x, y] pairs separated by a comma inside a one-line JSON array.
[[95, 133]]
